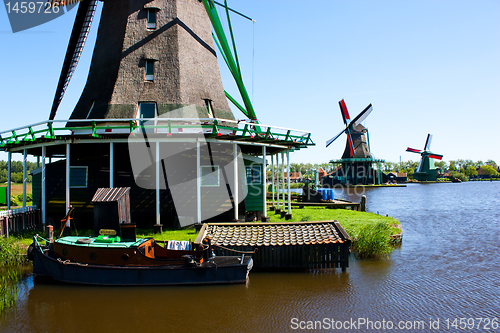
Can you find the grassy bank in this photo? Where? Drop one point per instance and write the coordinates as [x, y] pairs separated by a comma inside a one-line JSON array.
[[11, 262]]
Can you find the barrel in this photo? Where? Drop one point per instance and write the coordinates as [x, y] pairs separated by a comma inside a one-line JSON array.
[[324, 193], [330, 194]]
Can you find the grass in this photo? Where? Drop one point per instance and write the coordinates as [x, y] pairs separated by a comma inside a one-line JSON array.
[[370, 233], [11, 262]]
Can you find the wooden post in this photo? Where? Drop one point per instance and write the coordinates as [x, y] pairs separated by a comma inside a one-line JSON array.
[[50, 233], [235, 190], [272, 180], [363, 203], [288, 181], [264, 180], [68, 180], [158, 161], [25, 178], [44, 152], [198, 182], [111, 164], [9, 162]]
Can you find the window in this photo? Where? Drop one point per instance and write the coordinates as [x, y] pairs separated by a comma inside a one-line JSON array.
[[254, 174], [78, 176], [150, 70], [209, 175], [210, 109], [151, 18], [147, 111]]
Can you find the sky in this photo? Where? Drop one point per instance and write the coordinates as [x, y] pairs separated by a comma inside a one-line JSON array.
[[425, 66]]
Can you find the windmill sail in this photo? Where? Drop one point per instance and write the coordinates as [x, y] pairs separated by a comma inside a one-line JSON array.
[[81, 29], [428, 142]]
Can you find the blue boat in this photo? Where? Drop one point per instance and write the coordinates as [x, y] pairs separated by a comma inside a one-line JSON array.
[[137, 265]]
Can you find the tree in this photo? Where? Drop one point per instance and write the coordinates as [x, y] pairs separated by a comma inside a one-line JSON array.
[[492, 164], [470, 171], [488, 170]]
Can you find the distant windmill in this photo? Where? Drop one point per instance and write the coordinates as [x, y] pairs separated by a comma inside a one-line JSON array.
[[356, 144], [426, 171], [357, 160]]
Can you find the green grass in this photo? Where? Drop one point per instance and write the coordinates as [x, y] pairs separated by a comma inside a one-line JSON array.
[[370, 233]]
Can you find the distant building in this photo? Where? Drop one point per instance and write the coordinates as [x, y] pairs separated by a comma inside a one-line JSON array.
[[397, 177]]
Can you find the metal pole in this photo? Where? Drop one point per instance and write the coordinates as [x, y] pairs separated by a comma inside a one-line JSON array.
[[264, 179], [272, 177], [9, 162], [44, 153], [278, 182], [283, 178], [198, 182], [111, 164], [25, 179], [158, 182], [235, 190], [68, 185], [288, 169]]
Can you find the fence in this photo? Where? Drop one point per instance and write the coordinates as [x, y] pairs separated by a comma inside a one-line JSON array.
[[17, 220]]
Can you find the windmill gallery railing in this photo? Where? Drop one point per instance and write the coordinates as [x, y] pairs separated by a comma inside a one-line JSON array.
[[210, 127]]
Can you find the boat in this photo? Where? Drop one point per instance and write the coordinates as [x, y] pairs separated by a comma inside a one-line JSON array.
[[107, 260]]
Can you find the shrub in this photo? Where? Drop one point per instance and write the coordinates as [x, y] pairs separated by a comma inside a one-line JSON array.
[[372, 241]]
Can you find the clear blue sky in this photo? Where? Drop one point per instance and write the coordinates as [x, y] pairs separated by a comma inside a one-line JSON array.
[[426, 66]]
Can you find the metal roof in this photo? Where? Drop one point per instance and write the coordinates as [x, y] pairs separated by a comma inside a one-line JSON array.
[[107, 194]]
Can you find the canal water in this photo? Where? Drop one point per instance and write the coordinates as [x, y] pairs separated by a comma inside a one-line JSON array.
[[447, 268]]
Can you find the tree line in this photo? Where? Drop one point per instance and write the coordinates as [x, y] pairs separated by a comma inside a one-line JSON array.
[[457, 168], [16, 169]]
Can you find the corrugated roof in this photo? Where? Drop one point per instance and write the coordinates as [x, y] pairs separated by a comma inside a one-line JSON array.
[[275, 234], [107, 194]]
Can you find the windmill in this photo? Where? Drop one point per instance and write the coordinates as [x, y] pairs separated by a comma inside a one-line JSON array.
[[357, 160], [426, 171], [356, 144]]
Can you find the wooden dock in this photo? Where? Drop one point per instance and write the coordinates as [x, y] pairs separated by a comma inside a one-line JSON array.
[[335, 204], [281, 246]]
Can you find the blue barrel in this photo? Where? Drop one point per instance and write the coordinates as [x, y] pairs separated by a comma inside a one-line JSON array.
[[324, 193], [330, 194]]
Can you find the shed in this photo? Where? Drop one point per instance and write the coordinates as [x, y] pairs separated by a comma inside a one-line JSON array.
[[111, 208], [277, 246]]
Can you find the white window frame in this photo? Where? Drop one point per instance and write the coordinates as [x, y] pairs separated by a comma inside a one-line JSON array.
[[86, 176], [217, 171], [151, 24], [149, 77]]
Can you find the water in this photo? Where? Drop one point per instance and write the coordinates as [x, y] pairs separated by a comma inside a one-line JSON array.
[[447, 267]]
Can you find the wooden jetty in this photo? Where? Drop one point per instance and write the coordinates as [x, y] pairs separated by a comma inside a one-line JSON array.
[[334, 204], [282, 246]]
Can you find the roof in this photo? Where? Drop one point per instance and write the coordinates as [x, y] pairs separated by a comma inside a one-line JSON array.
[[274, 234], [110, 194]]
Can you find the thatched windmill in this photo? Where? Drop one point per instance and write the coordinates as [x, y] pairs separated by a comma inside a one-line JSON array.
[[426, 171], [357, 160], [154, 116]]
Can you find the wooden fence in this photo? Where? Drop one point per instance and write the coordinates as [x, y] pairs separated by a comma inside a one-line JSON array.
[[17, 220]]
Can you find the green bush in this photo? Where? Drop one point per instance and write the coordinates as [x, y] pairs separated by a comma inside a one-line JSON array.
[[372, 241]]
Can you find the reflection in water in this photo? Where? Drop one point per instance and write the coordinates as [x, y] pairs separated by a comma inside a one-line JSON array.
[[447, 267]]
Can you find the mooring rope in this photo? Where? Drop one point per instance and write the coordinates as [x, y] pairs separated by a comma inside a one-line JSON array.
[[228, 249]]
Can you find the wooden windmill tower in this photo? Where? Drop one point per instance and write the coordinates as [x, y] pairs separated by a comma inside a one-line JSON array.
[[426, 171], [357, 162]]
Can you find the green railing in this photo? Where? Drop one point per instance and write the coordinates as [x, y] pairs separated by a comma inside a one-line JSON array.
[[101, 128]]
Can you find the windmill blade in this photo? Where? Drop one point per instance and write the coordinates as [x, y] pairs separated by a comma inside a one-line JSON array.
[[436, 156], [362, 115], [412, 150], [428, 142], [345, 114], [81, 29], [351, 145], [329, 142]]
